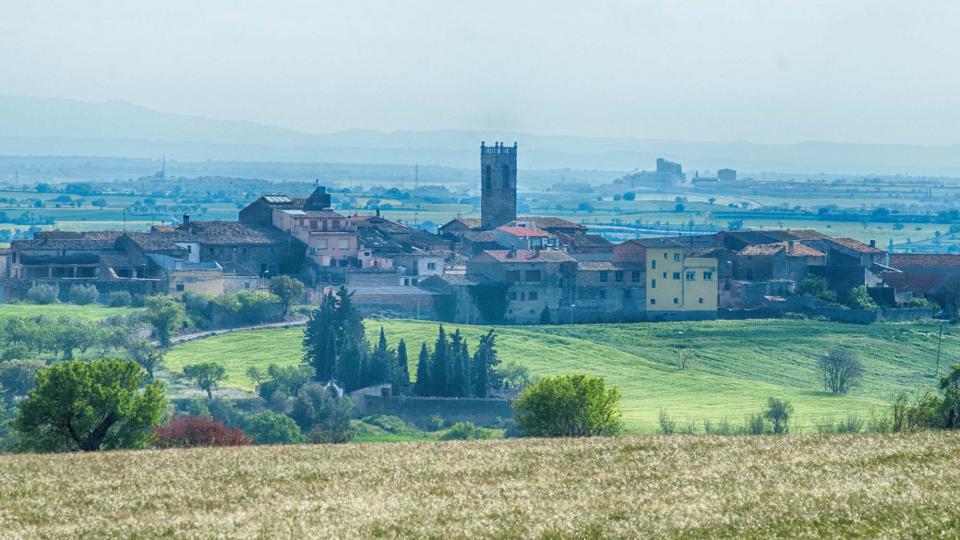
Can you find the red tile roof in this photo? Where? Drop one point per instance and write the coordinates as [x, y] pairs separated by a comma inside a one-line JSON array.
[[854, 245], [528, 256], [799, 250], [924, 260], [525, 232]]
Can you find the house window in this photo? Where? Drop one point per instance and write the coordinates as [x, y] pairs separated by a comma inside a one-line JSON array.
[[691, 276], [653, 264], [512, 276], [664, 275], [676, 257], [343, 244], [532, 295], [513, 296], [676, 275], [523, 296], [664, 254], [533, 275], [314, 224], [653, 301], [431, 266], [707, 276], [676, 300], [322, 243], [700, 300], [618, 276], [603, 276], [653, 283], [179, 286], [635, 276]]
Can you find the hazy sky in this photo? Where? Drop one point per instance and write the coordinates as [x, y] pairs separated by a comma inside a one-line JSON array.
[[764, 71]]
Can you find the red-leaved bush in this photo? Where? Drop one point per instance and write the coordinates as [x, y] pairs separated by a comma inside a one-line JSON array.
[[190, 431]]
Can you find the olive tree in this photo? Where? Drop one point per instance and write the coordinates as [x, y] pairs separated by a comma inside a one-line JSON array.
[[205, 375]]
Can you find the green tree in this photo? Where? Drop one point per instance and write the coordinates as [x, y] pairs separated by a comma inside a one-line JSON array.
[[91, 405], [288, 289], [323, 414], [950, 405], [569, 406], [440, 366], [460, 360], [484, 361], [205, 375], [272, 428], [145, 355], [401, 371], [319, 340], [779, 412], [381, 364], [422, 386], [165, 314], [285, 379], [17, 376]]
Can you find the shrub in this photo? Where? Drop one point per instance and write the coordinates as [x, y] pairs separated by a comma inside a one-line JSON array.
[[41, 293], [192, 431], [119, 299], [667, 425], [83, 294], [465, 431], [859, 298], [17, 351], [272, 428], [391, 424], [569, 406], [17, 376]]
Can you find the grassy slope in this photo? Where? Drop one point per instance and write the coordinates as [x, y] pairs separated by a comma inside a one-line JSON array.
[[734, 487], [738, 365], [91, 312]]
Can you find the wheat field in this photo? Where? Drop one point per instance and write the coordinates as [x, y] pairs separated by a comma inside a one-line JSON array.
[[628, 487]]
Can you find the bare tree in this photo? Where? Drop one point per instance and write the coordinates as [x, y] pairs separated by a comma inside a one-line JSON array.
[[684, 356], [841, 370]]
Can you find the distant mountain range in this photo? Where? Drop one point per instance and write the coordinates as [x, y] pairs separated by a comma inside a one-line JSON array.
[[56, 126]]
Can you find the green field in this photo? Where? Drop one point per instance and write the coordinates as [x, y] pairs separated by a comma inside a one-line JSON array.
[[837, 486], [736, 365], [93, 312]]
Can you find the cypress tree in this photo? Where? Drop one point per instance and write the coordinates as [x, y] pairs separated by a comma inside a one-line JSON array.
[[439, 366], [463, 384], [423, 386], [484, 361], [381, 365], [401, 371], [319, 340]]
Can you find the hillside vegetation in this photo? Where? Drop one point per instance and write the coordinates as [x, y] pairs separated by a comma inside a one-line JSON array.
[[734, 367], [628, 487], [92, 312]]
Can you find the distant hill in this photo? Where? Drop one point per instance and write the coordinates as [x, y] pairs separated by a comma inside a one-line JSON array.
[[56, 126]]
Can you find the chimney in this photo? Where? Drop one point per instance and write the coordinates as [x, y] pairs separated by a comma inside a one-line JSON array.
[[791, 247], [873, 243], [378, 211], [511, 254], [186, 219]]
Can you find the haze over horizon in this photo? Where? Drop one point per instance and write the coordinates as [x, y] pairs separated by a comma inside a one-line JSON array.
[[860, 71]]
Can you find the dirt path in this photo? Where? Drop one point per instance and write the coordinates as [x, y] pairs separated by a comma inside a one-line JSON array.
[[183, 338]]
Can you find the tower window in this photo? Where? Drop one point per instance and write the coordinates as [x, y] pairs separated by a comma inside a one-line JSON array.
[[506, 177], [487, 177]]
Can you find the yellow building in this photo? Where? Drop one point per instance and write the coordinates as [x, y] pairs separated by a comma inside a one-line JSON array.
[[677, 286]]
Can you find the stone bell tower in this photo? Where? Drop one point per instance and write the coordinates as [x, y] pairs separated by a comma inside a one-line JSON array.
[[498, 185]]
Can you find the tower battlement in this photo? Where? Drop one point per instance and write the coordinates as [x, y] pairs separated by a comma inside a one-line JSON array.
[[498, 148]]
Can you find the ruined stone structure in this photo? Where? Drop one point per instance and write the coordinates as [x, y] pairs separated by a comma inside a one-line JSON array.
[[498, 185]]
